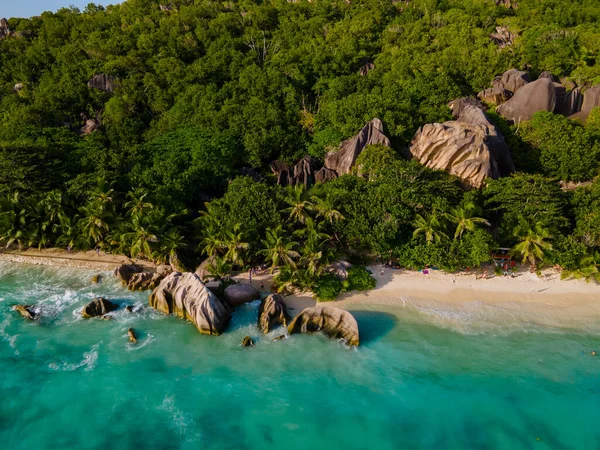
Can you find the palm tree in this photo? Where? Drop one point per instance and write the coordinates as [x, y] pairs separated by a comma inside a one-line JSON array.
[[430, 227], [325, 208], [219, 268], [286, 279], [102, 195], [532, 241], [138, 203], [236, 247], [299, 204], [94, 222], [14, 218], [589, 268], [464, 218], [169, 244], [279, 249], [141, 240]]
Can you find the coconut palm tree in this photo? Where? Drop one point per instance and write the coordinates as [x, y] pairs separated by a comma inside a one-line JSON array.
[[219, 268], [236, 246], [325, 208], [169, 245], [94, 222], [299, 204], [532, 241], [465, 219], [14, 218], [430, 227], [138, 203], [279, 249], [589, 268]]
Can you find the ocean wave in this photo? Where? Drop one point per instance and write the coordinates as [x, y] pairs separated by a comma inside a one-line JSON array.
[[88, 362], [7, 337]]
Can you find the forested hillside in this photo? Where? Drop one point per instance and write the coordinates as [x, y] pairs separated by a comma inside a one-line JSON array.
[[118, 125]]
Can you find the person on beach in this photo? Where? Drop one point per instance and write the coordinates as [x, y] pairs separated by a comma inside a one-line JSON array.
[[382, 270], [98, 251], [69, 248]]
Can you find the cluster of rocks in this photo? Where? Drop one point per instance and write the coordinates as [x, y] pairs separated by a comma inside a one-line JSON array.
[[135, 278], [503, 37], [185, 295], [337, 163], [470, 146], [518, 98]]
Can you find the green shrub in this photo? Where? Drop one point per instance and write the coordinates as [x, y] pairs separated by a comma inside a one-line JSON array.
[[328, 287], [360, 279]]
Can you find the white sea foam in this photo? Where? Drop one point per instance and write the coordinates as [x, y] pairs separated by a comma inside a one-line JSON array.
[[88, 362], [11, 339]]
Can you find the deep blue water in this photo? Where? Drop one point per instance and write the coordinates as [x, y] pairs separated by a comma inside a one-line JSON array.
[[469, 381]]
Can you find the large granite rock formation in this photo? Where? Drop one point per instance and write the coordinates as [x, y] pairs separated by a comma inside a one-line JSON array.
[[332, 322], [470, 147], [591, 100], [539, 95], [324, 174], [495, 95], [125, 271], [142, 281], [512, 80], [302, 173], [97, 308], [567, 102], [272, 313], [343, 159], [240, 293], [103, 82], [184, 295]]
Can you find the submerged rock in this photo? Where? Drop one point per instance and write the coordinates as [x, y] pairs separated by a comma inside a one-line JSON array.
[[129, 308], [272, 313], [240, 293], [132, 336], [333, 322], [26, 311], [184, 295], [97, 279], [247, 342], [279, 338], [98, 307]]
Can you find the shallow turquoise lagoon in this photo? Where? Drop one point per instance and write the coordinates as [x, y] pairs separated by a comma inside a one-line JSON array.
[[472, 382]]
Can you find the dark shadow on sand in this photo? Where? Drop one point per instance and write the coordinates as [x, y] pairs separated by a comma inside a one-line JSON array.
[[373, 325]]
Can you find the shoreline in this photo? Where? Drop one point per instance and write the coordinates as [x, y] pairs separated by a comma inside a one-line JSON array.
[[525, 294]]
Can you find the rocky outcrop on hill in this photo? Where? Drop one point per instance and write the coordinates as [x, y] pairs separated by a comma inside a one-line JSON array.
[[240, 293], [339, 269], [503, 37], [512, 80], [333, 322], [4, 29], [98, 308], [272, 313], [365, 69], [495, 95], [342, 160], [184, 295], [469, 147], [591, 100], [324, 174], [302, 173], [103, 82], [539, 95]]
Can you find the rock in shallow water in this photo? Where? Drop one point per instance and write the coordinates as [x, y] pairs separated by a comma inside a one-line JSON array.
[[98, 307], [333, 322], [247, 342], [240, 293], [26, 311], [142, 281], [125, 271], [184, 295], [272, 313]]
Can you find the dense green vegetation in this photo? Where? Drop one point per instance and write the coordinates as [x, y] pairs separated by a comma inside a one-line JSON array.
[[209, 93]]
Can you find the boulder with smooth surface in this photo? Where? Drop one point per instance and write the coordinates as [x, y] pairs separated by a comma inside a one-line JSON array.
[[470, 147], [512, 80], [333, 322], [539, 95], [272, 313], [240, 293], [184, 295], [591, 100], [98, 308]]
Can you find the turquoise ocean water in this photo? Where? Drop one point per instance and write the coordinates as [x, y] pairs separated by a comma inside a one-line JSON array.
[[422, 379]]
